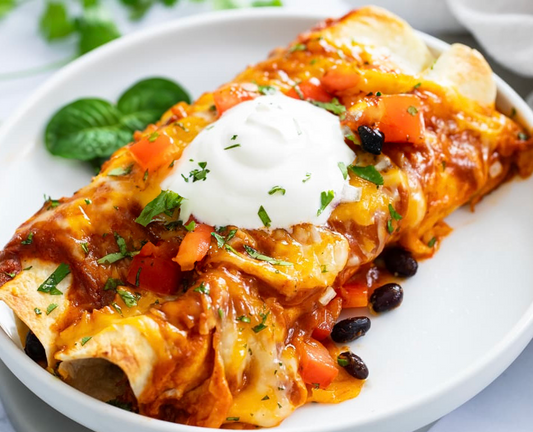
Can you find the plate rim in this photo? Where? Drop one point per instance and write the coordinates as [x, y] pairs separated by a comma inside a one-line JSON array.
[[490, 365]]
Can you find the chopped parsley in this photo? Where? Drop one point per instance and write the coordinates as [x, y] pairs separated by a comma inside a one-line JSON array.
[[412, 110], [202, 289], [307, 177], [85, 247], [277, 189], [234, 419], [334, 106], [394, 214], [261, 326], [234, 137], [128, 298], [29, 239], [37, 311], [325, 200], [120, 171], [344, 170], [51, 307], [199, 174], [27, 268], [232, 146], [390, 227], [263, 215], [368, 173], [417, 85], [52, 203], [190, 226], [432, 242], [298, 47], [11, 275], [166, 202], [49, 286], [88, 201], [112, 284], [378, 94], [258, 256], [85, 339], [244, 319], [116, 256]]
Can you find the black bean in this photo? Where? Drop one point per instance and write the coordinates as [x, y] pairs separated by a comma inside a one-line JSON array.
[[400, 262], [371, 139], [350, 329], [386, 297], [33, 348], [353, 365]]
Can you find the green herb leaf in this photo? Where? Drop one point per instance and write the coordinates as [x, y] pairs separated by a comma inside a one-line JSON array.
[[344, 170], [111, 258], [220, 313], [166, 202], [263, 215], [6, 6], [37, 311], [342, 361], [394, 214], [49, 286], [368, 173], [88, 201], [412, 110], [95, 28], [233, 419], [307, 177], [232, 146], [11, 275], [417, 85], [190, 226], [202, 288], [128, 298], [265, 398], [29, 239], [51, 307], [334, 106], [277, 189], [258, 256], [199, 174], [432, 242], [244, 319], [267, 3], [117, 308], [261, 326], [147, 100], [120, 171], [55, 23], [266, 89], [85, 247], [325, 200], [85, 339], [86, 129], [390, 227], [112, 284], [298, 47]]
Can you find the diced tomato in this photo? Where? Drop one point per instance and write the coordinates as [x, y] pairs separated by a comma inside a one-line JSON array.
[[194, 246], [153, 151], [354, 295], [152, 273], [338, 80], [316, 365], [229, 96], [311, 89], [402, 119], [326, 318]]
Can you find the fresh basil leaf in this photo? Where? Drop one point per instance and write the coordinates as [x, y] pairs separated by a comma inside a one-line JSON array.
[[49, 286], [86, 129], [369, 173], [95, 28], [166, 201], [147, 100], [55, 22]]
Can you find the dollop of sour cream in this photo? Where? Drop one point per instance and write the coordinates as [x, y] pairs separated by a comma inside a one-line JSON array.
[[274, 156]]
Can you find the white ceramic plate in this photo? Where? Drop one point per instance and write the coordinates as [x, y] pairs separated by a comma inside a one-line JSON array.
[[466, 315]]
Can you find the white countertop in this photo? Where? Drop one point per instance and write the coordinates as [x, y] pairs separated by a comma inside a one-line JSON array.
[[504, 406]]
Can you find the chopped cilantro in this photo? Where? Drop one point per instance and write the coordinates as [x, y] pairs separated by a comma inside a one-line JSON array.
[[344, 170], [112, 284], [128, 298], [85, 247], [49, 286], [37, 311], [220, 313], [202, 288], [88, 201], [325, 200], [244, 319], [29, 239], [432, 242], [85, 339], [234, 419], [258, 256], [412, 110], [342, 361], [307, 177], [266, 89], [417, 85], [394, 214], [199, 174], [368, 173], [298, 47], [117, 308], [138, 277], [261, 326], [11, 275], [390, 227], [153, 136], [263, 215], [190, 226], [182, 126], [166, 202], [334, 106], [120, 171], [277, 189], [51, 307]]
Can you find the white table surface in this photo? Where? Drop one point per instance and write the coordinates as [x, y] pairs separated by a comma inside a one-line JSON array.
[[505, 406]]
